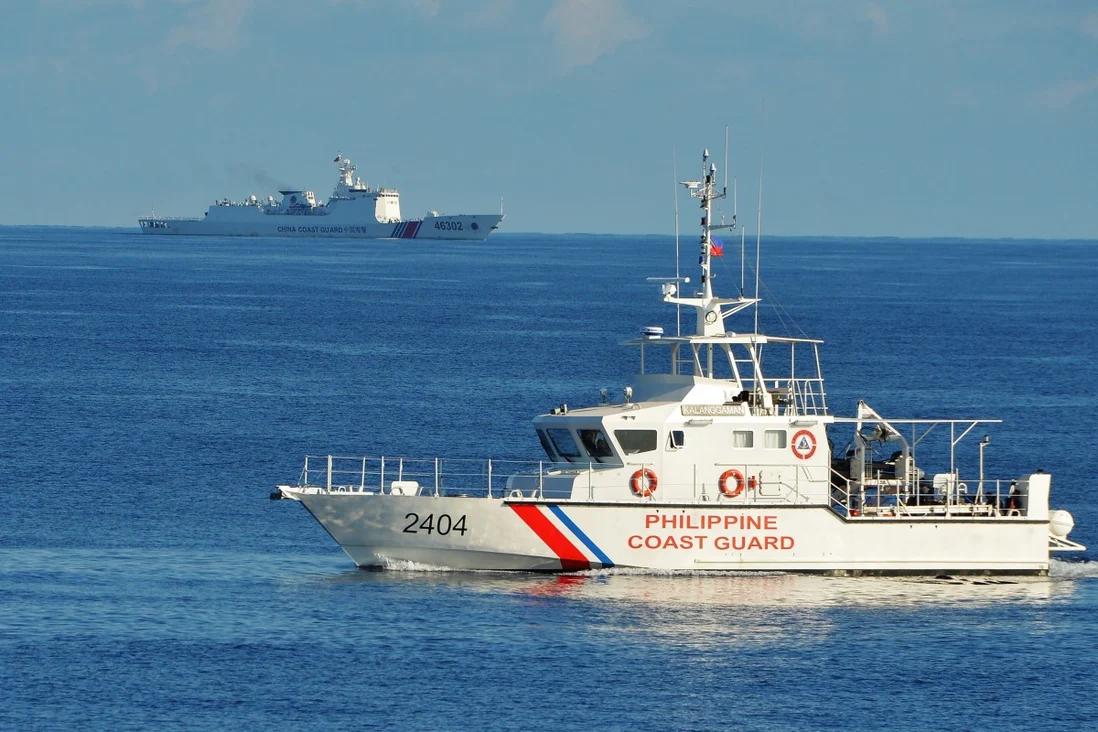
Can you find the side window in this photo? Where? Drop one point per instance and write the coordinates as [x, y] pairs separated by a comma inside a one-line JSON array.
[[635, 441], [546, 445], [676, 439], [563, 443], [596, 444], [775, 439], [743, 438]]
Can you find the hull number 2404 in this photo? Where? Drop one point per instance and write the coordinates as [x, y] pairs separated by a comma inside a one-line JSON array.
[[442, 525]]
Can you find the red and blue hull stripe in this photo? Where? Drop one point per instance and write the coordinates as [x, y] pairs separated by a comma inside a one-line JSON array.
[[406, 230], [571, 556]]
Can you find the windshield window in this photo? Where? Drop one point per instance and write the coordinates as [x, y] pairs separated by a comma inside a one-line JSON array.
[[634, 441], [546, 445], [562, 440], [596, 443]]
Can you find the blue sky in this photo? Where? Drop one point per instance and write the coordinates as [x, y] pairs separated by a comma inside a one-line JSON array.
[[934, 118]]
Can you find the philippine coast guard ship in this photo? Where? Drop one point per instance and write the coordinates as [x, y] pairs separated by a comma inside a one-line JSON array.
[[355, 210], [716, 459]]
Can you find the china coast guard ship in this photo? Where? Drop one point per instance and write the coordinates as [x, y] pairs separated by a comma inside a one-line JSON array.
[[354, 210], [716, 458]]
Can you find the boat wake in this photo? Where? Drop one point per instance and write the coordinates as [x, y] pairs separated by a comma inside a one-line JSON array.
[[654, 572], [1061, 569], [1058, 569], [406, 565]]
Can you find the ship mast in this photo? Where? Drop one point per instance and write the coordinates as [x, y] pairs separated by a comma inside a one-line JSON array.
[[709, 307]]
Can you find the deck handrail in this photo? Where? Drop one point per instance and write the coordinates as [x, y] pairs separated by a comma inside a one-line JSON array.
[[493, 478]]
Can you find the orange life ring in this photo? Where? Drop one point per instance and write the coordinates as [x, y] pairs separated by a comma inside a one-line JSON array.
[[723, 483], [643, 483]]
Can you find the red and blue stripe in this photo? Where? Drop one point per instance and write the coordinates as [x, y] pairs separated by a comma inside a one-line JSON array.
[[406, 230], [570, 555]]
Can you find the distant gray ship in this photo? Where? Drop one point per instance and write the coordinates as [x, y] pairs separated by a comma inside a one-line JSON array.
[[354, 210]]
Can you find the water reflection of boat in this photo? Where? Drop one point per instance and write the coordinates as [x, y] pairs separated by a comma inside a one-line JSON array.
[[685, 590], [812, 591]]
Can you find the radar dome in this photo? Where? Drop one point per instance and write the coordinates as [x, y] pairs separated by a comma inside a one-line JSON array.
[[1060, 523]]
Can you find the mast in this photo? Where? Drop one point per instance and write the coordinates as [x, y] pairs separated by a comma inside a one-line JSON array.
[[675, 192], [710, 313], [735, 213], [758, 245], [707, 195]]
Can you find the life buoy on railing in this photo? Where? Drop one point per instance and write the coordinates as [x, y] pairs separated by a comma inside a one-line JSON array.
[[726, 489], [643, 483]]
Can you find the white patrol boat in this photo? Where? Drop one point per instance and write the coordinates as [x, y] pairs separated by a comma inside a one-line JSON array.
[[355, 210], [716, 459]]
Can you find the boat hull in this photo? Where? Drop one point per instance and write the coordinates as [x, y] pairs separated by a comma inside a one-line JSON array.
[[251, 221], [378, 530]]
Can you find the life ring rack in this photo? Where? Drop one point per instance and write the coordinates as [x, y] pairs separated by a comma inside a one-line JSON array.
[[643, 483], [726, 489]]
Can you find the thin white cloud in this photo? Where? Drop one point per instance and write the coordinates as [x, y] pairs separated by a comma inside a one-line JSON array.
[[1066, 93], [429, 8], [584, 30], [877, 16], [1089, 25], [213, 25]]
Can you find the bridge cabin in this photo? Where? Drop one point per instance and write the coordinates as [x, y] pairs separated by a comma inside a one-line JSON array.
[[386, 201]]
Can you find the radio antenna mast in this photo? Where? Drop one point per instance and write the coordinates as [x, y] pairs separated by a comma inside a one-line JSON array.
[[675, 193], [726, 161], [743, 233], [758, 243]]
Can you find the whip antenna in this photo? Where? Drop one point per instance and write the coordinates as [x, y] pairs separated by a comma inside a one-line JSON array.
[[675, 192], [726, 164], [758, 243]]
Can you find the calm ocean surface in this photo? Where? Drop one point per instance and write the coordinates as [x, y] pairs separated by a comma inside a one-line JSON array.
[[153, 391]]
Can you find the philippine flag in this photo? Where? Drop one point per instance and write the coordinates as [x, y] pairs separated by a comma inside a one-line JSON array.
[[716, 249]]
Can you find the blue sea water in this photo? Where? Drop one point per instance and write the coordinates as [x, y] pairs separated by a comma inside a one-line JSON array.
[[154, 390]]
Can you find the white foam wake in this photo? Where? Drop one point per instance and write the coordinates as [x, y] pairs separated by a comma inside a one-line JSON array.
[[407, 565], [656, 572], [1061, 569]]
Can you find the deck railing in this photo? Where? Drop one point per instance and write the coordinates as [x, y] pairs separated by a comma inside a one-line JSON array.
[[435, 476], [952, 496], [766, 485], [169, 218], [540, 479]]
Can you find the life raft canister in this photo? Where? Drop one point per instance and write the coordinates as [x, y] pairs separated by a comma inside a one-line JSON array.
[[728, 490], [643, 483]]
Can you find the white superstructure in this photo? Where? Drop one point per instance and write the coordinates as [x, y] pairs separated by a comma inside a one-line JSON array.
[[354, 210], [718, 457]]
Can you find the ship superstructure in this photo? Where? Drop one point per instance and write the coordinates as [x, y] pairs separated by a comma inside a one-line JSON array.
[[354, 210], [718, 457]]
